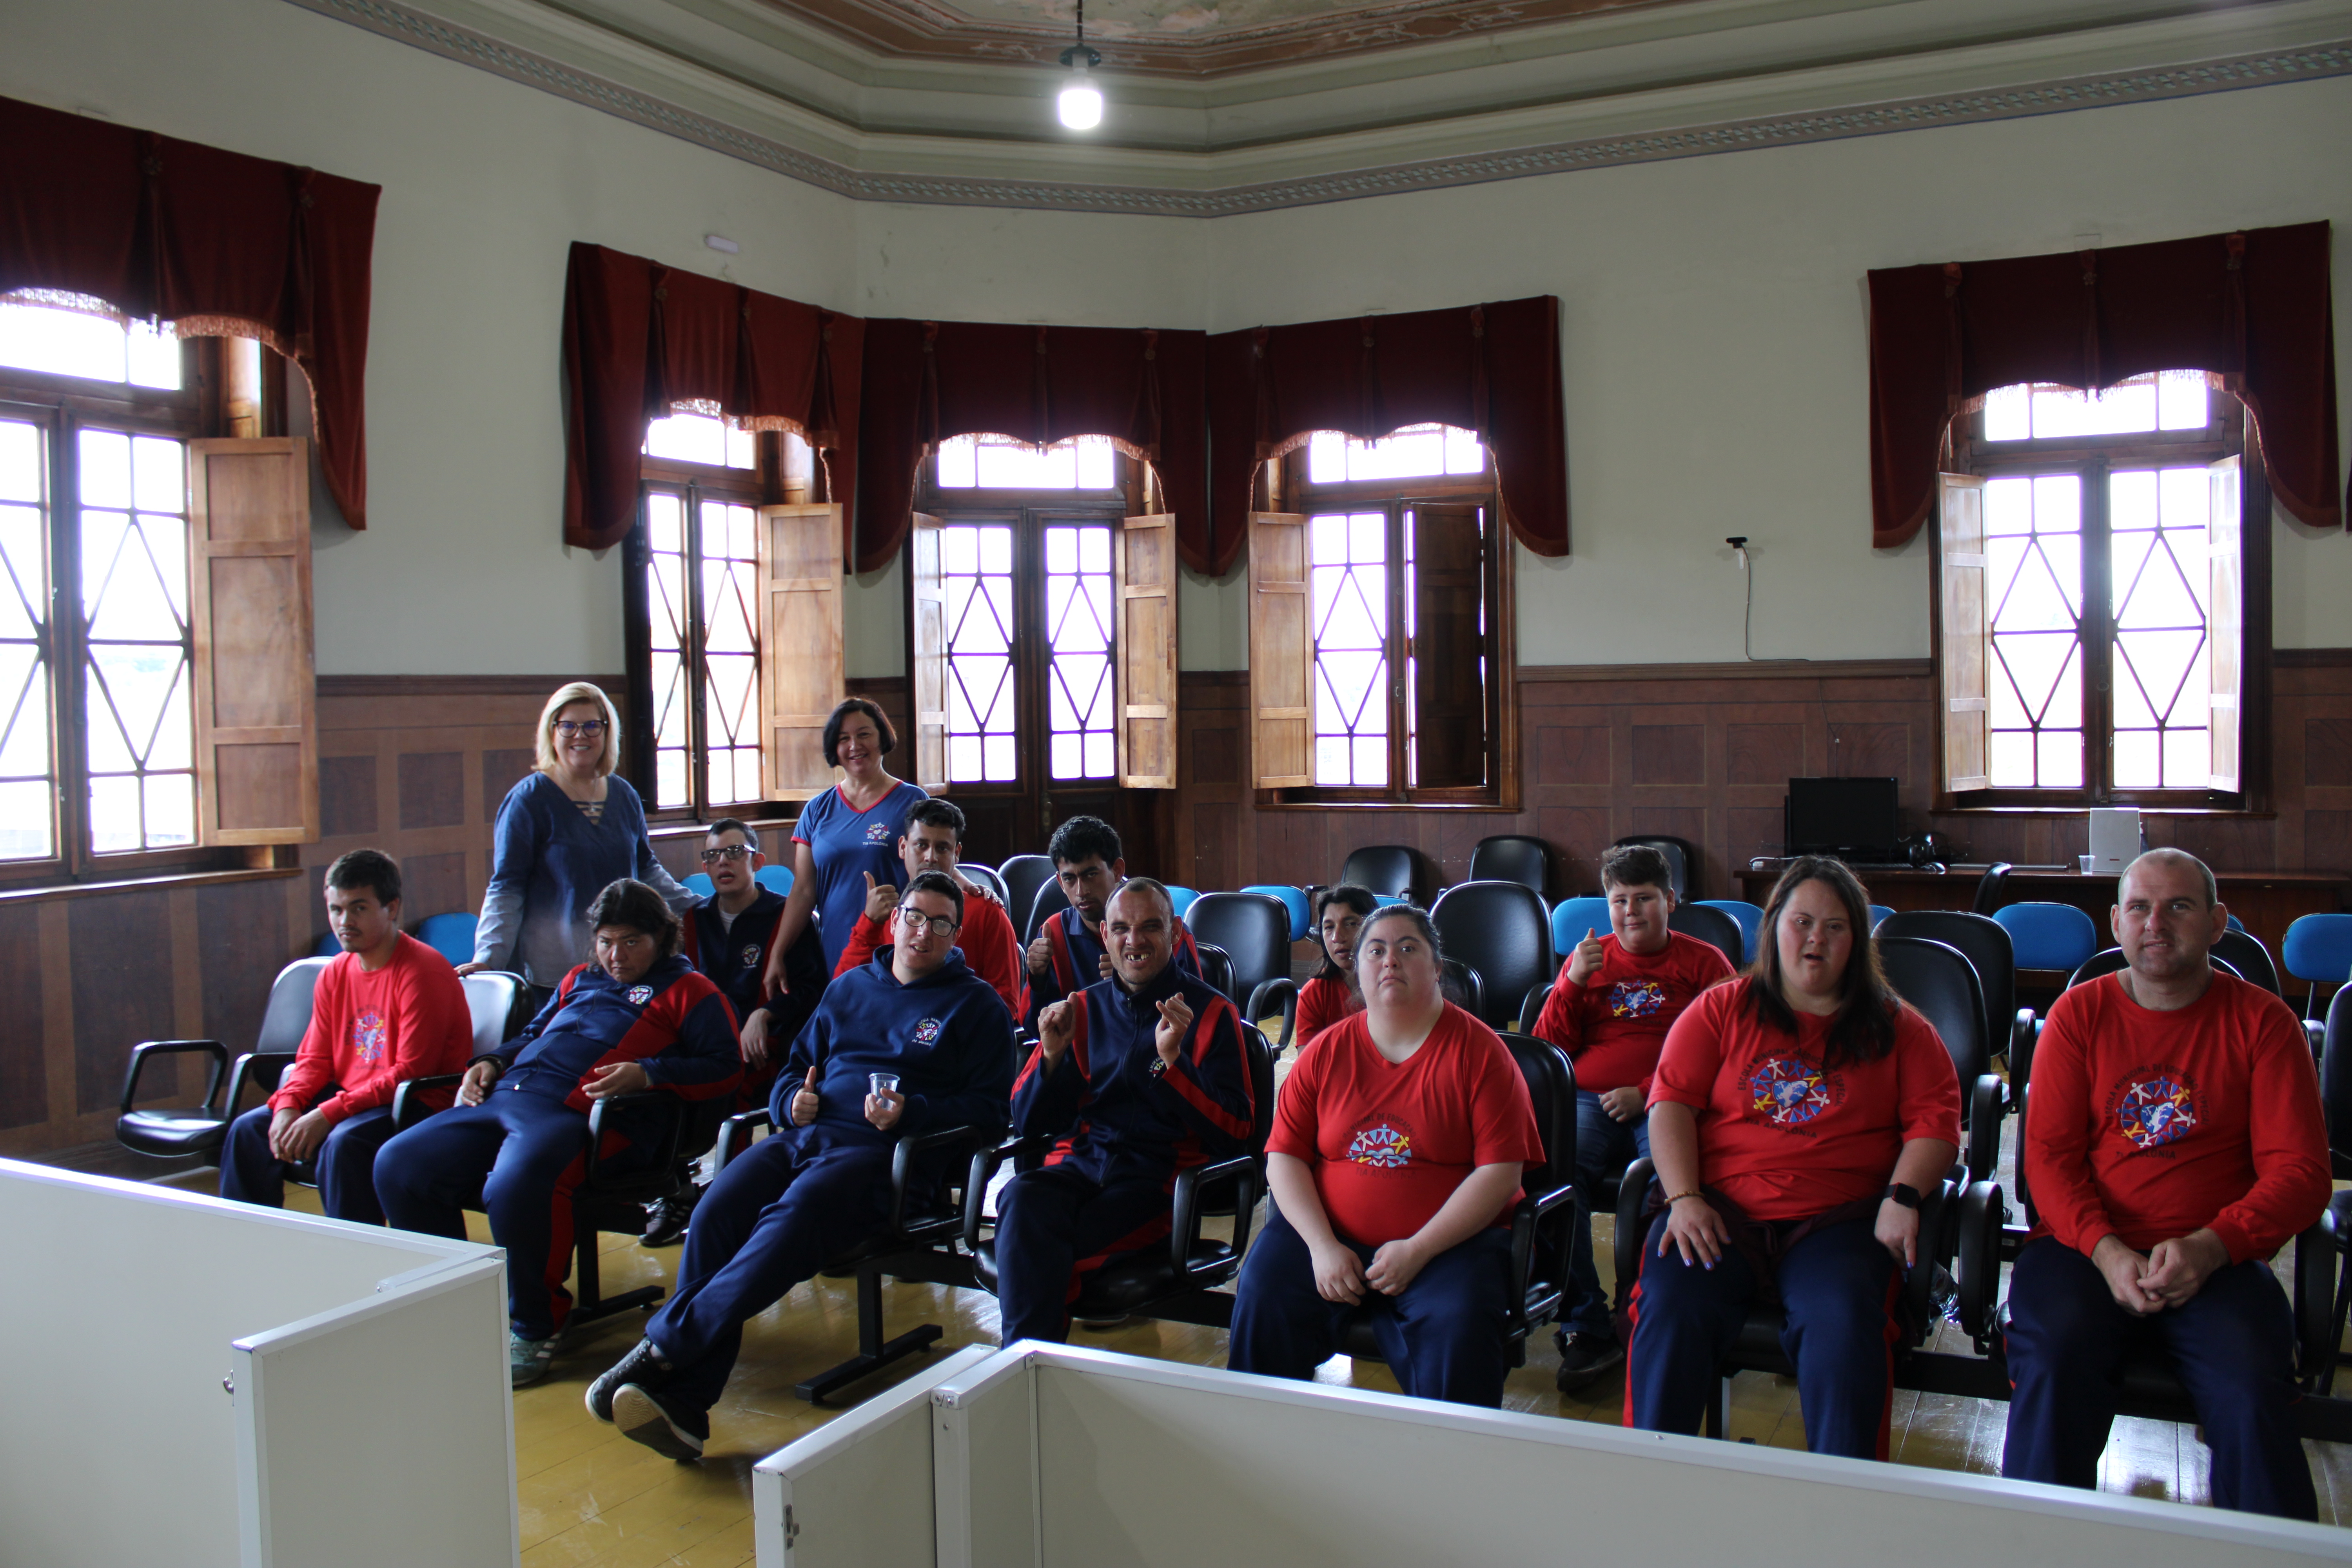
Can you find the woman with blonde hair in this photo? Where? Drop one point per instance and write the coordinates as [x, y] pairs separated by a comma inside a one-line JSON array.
[[572, 828]]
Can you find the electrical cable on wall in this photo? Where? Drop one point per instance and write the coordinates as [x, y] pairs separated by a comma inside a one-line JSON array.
[[1739, 542]]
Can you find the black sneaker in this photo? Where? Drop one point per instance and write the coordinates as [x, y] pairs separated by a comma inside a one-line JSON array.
[[642, 1417], [643, 1366], [666, 1219], [1583, 1358]]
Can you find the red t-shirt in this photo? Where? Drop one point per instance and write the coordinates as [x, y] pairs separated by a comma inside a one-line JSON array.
[[1321, 1004], [990, 949], [1780, 1135], [2150, 1125], [1390, 1141], [367, 1032], [1613, 1026]]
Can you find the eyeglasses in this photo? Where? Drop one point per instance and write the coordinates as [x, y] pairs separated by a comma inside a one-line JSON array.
[[571, 727], [729, 852], [940, 925]]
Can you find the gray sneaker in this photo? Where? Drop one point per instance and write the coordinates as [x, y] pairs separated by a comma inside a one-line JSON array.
[[528, 1360], [643, 1366]]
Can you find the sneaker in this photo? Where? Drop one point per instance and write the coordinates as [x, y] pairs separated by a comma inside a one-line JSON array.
[[666, 1220], [528, 1360], [643, 1418], [643, 1366], [1583, 1358]]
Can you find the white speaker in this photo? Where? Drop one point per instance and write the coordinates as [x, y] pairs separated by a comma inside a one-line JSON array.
[[2114, 839]]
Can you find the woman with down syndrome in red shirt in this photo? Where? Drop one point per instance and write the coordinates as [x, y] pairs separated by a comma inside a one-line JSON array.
[[1797, 1116]]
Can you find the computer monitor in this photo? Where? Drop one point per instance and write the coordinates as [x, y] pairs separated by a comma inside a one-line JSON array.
[[1852, 818]]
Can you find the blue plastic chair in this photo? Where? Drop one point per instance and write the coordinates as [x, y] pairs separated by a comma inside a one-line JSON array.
[[1182, 897], [2237, 924], [1294, 899], [1389, 898], [450, 935], [1572, 918], [1751, 918], [2049, 936], [778, 877], [1879, 912], [700, 885], [2318, 949], [327, 946]]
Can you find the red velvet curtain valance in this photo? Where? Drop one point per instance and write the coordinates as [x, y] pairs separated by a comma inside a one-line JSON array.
[[927, 381], [640, 337], [221, 243], [2252, 307], [1490, 368]]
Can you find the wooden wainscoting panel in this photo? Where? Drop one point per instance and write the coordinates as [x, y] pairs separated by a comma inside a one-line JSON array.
[[242, 941], [432, 789], [436, 884], [1669, 753], [122, 990], [1568, 754], [503, 767], [23, 1065], [347, 796]]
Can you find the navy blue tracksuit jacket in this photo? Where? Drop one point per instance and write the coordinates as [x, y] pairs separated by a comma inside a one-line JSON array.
[[734, 954], [1078, 955]]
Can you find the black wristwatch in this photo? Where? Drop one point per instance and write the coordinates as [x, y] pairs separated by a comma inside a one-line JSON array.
[[1906, 1195]]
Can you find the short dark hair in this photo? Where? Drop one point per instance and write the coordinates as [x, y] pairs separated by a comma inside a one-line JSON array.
[[1084, 838], [629, 902], [734, 825], [937, 883], [1348, 896], [933, 812], [371, 868], [1150, 886], [840, 715], [1636, 865]]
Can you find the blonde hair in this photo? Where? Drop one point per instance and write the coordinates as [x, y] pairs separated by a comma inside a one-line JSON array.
[[565, 695]]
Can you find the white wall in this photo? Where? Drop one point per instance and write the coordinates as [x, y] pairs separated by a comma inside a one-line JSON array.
[[1713, 323]]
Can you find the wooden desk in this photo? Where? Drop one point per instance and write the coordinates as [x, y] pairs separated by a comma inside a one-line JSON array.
[[2266, 901]]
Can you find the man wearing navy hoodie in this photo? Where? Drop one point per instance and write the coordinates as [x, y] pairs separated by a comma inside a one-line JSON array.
[[821, 1186]]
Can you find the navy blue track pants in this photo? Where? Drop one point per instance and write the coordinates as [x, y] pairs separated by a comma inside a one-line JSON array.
[[344, 1165], [1054, 1227]]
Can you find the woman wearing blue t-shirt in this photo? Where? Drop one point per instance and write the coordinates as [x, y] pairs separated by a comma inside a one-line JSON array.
[[571, 827], [849, 831]]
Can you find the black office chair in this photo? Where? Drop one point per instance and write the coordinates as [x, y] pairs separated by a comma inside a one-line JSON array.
[[1023, 875], [1463, 986], [1217, 968], [172, 1132], [1532, 1008], [1389, 869], [2108, 960], [1539, 1232], [2244, 951], [1253, 930], [1713, 926], [1501, 930], [981, 876], [1681, 865], [1938, 980], [1513, 858], [1049, 901], [2336, 1100], [1992, 888], [1984, 941]]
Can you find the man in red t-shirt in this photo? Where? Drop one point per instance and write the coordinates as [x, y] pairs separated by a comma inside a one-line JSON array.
[[386, 1008], [2174, 1142], [934, 842], [1610, 1010]]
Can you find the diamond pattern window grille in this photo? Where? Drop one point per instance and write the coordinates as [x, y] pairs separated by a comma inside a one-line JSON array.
[[1349, 599], [976, 567], [1078, 638], [2159, 581], [702, 621], [27, 764], [2033, 550], [731, 651], [137, 664]]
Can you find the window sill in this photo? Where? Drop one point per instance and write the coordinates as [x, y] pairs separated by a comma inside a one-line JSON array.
[[166, 881], [1279, 800], [2214, 811], [762, 825]]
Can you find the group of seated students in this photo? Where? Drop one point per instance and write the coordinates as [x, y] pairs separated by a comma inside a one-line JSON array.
[[1796, 1114]]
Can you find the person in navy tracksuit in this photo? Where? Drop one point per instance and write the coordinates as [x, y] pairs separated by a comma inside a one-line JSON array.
[[1143, 1075], [821, 1186], [1069, 952], [640, 1019]]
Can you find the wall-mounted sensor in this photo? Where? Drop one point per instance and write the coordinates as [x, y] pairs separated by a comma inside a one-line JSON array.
[[721, 243], [1738, 541]]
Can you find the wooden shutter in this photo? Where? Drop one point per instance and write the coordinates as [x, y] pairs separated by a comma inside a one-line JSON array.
[[250, 605], [1143, 584], [1281, 652], [1449, 646], [2225, 618], [800, 645], [927, 655], [1965, 665]]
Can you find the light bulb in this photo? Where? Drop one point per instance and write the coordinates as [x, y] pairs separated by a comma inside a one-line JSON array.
[[1081, 101]]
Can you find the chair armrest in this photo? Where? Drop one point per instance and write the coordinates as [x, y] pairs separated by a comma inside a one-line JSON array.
[[1531, 1007], [1632, 1196], [1976, 1261], [1287, 991], [2316, 1258], [1526, 1222], [248, 1067], [665, 1151], [408, 1108], [903, 1154], [736, 1130], [1985, 1110], [145, 1049], [1184, 1233], [1919, 1280], [984, 1163]]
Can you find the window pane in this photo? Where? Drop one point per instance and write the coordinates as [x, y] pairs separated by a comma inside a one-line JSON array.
[[999, 767], [690, 438], [999, 462], [26, 822], [1079, 633], [170, 809], [2062, 411], [2136, 763], [959, 468], [22, 478], [977, 561], [1415, 451], [2188, 759], [2183, 400], [137, 723], [1327, 457], [2009, 413], [114, 825], [669, 635], [62, 342], [2059, 758], [1348, 582]]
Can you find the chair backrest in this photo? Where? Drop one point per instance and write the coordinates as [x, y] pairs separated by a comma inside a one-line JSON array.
[[700, 883], [1254, 931], [775, 878], [287, 1018], [1992, 888], [2049, 936], [2108, 960], [1262, 1089], [1023, 875], [1938, 980], [1984, 942], [2318, 948], [1682, 860], [325, 946], [1382, 867], [1217, 971], [1749, 917], [1512, 858], [500, 1004], [450, 935], [1049, 902], [1878, 913], [1551, 1088], [2244, 953], [982, 877], [1499, 929], [1572, 918], [2335, 1081], [1295, 900], [1462, 985], [1182, 898], [1708, 924]]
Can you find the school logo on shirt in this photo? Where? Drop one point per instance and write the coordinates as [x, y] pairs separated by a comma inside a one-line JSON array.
[[1635, 998], [751, 954], [1384, 1146], [640, 994], [368, 1035], [2155, 1105], [878, 833], [927, 1031], [1789, 1091]]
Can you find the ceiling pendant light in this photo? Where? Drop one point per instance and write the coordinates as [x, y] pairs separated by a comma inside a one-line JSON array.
[[1080, 104]]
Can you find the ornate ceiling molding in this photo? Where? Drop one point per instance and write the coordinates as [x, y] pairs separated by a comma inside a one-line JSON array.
[[2267, 67]]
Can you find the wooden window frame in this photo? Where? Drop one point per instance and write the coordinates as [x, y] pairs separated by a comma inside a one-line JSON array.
[[2094, 458]]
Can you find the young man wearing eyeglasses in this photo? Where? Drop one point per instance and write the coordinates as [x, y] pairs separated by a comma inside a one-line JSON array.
[[728, 936], [914, 1042]]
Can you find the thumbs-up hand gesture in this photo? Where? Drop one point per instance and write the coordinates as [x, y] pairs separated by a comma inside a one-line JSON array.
[[1168, 1038], [881, 897], [803, 1105], [1586, 959]]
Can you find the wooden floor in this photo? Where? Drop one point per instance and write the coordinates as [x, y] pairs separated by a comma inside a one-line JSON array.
[[591, 1496]]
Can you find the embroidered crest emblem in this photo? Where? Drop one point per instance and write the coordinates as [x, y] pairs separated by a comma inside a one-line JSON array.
[[1789, 1091], [878, 833], [1381, 1146], [368, 1037], [2156, 1107], [640, 994], [751, 954], [927, 1031], [1635, 998]]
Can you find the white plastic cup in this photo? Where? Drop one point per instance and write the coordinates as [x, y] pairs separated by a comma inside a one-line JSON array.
[[2087, 862], [883, 1083]]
